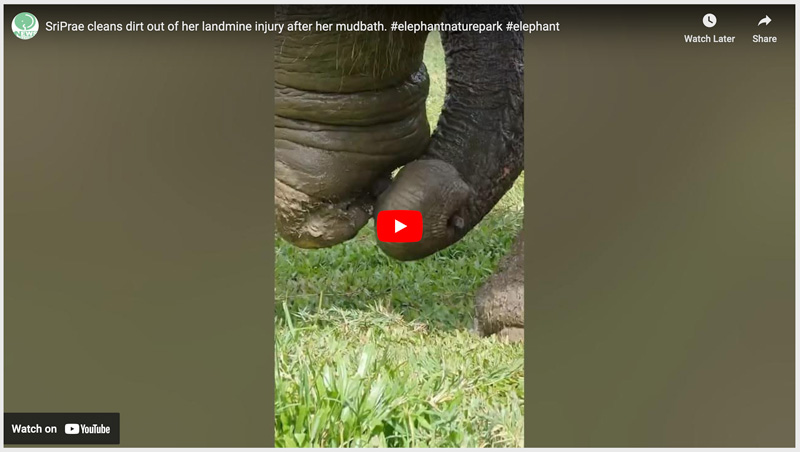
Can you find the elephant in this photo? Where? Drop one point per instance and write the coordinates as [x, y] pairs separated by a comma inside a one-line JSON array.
[[350, 110]]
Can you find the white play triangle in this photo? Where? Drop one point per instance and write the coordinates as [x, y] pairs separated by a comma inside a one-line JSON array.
[[398, 226]]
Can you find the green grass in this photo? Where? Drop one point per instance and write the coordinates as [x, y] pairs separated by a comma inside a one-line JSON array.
[[376, 352], [434, 62]]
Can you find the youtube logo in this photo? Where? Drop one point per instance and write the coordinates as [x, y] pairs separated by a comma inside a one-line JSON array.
[[399, 226]]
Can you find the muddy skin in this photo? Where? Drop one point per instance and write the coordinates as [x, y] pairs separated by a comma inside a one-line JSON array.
[[500, 302], [350, 108], [348, 62]]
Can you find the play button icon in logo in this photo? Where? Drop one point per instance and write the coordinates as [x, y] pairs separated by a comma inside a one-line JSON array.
[[399, 226]]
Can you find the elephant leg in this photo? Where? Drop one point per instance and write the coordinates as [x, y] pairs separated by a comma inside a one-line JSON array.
[[500, 302], [350, 108]]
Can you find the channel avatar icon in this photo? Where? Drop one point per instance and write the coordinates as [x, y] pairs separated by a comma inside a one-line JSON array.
[[25, 26], [399, 226]]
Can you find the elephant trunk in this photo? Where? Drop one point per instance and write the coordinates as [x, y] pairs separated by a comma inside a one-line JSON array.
[[476, 152]]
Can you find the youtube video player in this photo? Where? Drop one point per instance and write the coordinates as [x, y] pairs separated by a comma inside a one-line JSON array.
[[306, 225]]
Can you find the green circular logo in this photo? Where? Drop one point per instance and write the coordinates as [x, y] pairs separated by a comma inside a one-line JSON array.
[[25, 25]]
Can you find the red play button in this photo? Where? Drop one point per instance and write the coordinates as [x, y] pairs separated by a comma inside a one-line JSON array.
[[399, 226]]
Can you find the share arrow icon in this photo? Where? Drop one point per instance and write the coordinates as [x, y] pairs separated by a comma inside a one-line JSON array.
[[766, 20]]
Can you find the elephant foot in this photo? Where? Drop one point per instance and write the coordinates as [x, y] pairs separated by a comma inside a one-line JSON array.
[[512, 334], [500, 302]]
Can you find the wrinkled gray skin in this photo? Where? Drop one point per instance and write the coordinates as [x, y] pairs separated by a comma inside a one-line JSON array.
[[350, 108]]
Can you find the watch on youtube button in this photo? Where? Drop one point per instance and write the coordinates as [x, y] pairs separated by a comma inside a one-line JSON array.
[[399, 226]]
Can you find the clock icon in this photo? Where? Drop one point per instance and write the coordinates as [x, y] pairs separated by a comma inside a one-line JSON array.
[[709, 20]]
